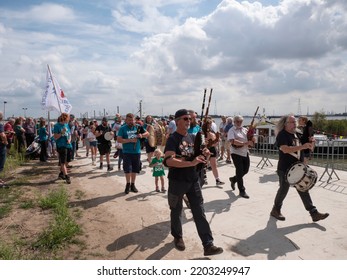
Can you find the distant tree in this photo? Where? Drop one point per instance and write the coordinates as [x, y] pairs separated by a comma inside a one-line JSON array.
[[319, 121], [330, 127]]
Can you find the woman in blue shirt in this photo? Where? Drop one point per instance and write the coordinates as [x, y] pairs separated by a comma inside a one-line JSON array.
[[43, 137]]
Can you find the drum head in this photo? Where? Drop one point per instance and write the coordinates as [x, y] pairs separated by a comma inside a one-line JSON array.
[[295, 173], [108, 136]]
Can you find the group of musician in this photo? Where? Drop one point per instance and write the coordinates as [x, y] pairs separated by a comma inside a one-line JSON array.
[[191, 146]]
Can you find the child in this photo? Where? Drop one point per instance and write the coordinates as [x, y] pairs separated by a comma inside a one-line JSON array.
[[92, 141], [158, 169]]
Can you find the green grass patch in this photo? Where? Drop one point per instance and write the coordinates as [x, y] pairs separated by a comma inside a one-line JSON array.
[[7, 252], [64, 228], [28, 204]]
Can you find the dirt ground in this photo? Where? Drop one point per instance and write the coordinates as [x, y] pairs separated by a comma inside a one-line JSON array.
[[114, 225]]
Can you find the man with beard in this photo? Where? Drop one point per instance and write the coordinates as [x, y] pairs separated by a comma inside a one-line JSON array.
[[129, 135], [290, 149], [104, 145], [184, 179]]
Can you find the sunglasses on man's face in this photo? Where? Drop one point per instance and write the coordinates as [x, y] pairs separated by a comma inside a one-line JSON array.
[[187, 119]]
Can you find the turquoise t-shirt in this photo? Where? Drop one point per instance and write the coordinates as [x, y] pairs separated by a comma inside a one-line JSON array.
[[127, 132], [43, 134], [62, 141], [194, 130]]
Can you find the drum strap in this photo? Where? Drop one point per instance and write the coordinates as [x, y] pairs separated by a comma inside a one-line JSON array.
[[297, 143]]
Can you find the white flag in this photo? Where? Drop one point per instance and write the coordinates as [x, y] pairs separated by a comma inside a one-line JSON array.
[[54, 97]]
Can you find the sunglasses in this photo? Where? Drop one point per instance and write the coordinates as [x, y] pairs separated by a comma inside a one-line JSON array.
[[187, 119]]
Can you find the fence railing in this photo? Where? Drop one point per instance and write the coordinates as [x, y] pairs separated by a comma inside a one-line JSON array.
[[329, 154]]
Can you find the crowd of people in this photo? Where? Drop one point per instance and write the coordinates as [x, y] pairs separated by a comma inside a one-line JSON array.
[[183, 144]]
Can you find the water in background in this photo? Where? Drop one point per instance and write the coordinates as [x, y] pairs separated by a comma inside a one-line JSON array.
[[247, 120]]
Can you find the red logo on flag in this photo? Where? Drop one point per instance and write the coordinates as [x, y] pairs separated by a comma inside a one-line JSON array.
[[62, 93]]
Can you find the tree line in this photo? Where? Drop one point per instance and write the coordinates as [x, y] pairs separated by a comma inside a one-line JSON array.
[[332, 128]]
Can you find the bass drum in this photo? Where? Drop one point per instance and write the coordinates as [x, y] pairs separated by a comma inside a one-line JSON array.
[[160, 136], [301, 176]]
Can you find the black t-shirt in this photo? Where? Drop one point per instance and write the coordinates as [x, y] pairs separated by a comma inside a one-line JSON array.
[[182, 146], [101, 139], [287, 160]]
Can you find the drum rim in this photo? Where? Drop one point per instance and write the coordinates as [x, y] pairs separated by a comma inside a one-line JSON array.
[[290, 168], [106, 136]]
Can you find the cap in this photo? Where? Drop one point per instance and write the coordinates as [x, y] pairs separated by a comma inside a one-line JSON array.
[[104, 119], [181, 113]]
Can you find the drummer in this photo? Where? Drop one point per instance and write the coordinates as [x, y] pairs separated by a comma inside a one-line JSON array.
[[104, 143], [290, 153]]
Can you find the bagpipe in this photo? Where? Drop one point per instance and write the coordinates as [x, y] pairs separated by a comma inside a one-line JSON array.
[[251, 128], [200, 142], [206, 139]]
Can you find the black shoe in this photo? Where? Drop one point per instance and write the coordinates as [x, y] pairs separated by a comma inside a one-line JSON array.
[[109, 168], [277, 214], [127, 188], [212, 250], [231, 179], [316, 216], [244, 195], [133, 188], [101, 165], [219, 182], [67, 179], [179, 244], [61, 176]]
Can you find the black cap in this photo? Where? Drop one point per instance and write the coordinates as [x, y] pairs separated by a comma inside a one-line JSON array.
[[104, 119], [181, 113]]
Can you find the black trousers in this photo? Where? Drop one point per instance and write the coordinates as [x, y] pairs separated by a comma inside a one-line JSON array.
[[242, 167]]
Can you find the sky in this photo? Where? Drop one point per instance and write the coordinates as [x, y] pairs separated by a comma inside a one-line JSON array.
[[110, 56]]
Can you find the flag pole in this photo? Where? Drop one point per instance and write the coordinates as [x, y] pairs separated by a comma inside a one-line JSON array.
[[55, 90]]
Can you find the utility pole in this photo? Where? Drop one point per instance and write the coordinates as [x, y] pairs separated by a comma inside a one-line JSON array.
[[299, 107]]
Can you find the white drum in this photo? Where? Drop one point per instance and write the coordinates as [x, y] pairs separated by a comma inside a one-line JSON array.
[[108, 136], [301, 176]]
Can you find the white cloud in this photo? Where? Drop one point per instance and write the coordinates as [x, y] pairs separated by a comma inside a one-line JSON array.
[[250, 53], [45, 12], [279, 45]]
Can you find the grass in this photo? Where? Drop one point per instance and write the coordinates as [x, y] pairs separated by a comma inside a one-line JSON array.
[[62, 229]]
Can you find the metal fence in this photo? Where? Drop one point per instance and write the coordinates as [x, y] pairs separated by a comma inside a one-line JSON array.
[[329, 154]]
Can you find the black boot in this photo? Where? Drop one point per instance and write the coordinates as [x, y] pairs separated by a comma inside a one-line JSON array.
[[277, 214], [127, 188], [133, 188]]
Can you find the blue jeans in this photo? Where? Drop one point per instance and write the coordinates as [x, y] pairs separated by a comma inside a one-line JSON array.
[[175, 196], [2, 157], [283, 191]]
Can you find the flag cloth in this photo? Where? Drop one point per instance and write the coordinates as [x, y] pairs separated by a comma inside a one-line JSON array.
[[54, 97]]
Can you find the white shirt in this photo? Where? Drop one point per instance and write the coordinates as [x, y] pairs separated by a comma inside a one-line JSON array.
[[239, 134]]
